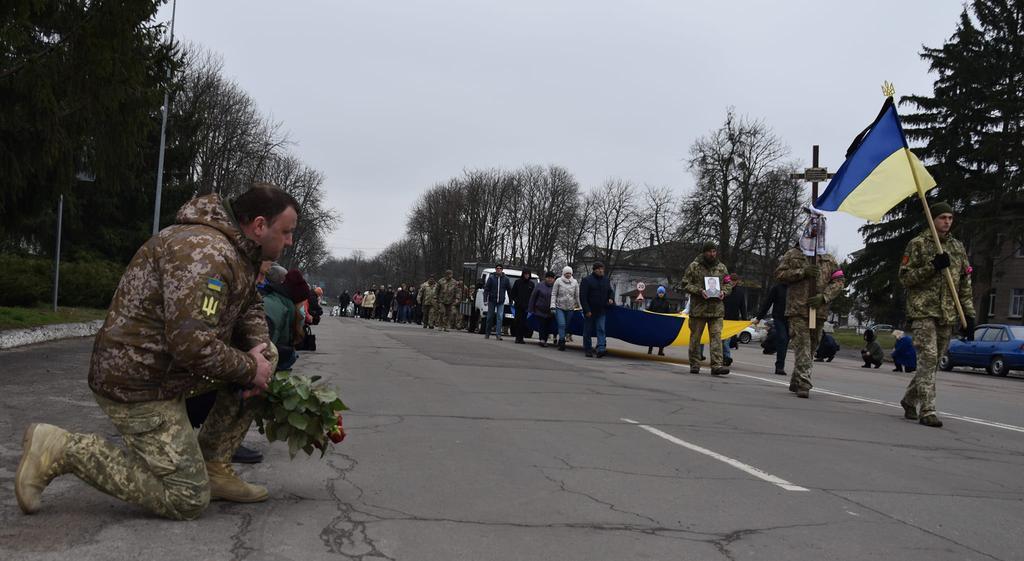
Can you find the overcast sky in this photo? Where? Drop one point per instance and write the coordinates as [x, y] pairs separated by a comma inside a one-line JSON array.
[[389, 97]]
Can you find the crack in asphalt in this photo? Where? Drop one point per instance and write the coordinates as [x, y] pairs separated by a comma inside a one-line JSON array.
[[898, 520], [565, 488], [344, 535], [240, 548]]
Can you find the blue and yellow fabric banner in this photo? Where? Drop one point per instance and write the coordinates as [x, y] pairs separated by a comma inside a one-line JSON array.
[[877, 173], [647, 329]]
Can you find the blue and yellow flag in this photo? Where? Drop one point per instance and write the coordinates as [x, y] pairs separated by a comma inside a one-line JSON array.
[[876, 174]]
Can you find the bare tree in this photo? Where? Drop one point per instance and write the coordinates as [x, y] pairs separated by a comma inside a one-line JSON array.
[[735, 167], [617, 221]]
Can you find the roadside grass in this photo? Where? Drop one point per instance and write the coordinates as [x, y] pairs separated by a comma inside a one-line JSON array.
[[850, 339], [20, 318]]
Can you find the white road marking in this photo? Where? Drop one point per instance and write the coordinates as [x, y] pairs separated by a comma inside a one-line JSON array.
[[710, 453], [817, 389]]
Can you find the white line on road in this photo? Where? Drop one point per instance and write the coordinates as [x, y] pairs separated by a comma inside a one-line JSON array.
[[994, 424], [734, 463]]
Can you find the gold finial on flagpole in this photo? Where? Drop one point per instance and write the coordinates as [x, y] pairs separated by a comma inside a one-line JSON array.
[[888, 90]]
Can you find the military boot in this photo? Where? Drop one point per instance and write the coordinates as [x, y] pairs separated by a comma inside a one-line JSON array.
[[793, 386], [931, 420], [804, 393], [719, 371], [694, 370], [909, 410], [226, 485], [42, 459]]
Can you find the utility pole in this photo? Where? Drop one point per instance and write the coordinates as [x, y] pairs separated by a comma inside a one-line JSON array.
[[56, 252], [163, 131]]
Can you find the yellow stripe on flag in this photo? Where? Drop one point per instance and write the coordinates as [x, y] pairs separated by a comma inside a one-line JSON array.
[[887, 185]]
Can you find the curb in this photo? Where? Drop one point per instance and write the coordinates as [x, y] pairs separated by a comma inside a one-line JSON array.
[[12, 338]]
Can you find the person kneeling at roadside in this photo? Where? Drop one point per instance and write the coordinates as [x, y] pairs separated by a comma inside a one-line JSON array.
[[903, 354], [828, 347], [872, 352], [185, 318]]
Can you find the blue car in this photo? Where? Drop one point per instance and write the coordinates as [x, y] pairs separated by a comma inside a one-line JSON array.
[[999, 348]]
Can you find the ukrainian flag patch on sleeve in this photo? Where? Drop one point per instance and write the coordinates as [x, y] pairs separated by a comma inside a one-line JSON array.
[[214, 285]]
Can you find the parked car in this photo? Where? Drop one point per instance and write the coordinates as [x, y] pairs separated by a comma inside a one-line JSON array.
[[753, 333], [999, 348]]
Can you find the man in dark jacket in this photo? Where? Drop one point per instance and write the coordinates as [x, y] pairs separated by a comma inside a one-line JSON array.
[[735, 309], [343, 302], [595, 297], [522, 289], [776, 301], [496, 291]]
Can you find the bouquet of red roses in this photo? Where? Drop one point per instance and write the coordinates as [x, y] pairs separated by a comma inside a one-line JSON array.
[[305, 414]]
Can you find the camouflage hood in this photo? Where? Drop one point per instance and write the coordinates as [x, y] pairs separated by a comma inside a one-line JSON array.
[[215, 212]]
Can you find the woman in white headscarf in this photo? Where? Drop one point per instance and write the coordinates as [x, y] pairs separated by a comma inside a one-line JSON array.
[[565, 299]]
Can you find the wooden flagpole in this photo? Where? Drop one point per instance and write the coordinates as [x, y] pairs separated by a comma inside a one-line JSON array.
[[935, 236]]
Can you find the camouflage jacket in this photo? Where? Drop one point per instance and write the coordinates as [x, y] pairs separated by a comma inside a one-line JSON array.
[[447, 292], [928, 294], [693, 284], [799, 287], [427, 295], [185, 312]]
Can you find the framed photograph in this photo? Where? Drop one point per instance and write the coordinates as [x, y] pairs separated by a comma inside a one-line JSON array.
[[713, 287]]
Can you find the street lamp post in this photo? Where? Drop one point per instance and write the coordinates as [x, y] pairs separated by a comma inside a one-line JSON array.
[[163, 132]]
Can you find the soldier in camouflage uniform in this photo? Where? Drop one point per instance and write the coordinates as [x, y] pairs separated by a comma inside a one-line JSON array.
[[185, 318], [931, 309], [460, 291], [705, 311], [811, 283], [447, 297], [427, 298]]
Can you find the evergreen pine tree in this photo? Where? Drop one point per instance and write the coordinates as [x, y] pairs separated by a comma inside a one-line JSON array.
[[970, 131]]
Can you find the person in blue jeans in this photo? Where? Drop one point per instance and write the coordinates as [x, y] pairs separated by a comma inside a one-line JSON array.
[[496, 291], [596, 297], [565, 300]]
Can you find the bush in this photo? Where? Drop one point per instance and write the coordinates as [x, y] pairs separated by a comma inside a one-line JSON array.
[[28, 281], [89, 284]]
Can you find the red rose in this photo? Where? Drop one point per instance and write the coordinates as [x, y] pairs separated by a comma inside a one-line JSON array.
[[336, 435]]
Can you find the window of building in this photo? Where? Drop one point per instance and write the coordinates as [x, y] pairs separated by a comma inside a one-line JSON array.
[[992, 302], [1017, 303]]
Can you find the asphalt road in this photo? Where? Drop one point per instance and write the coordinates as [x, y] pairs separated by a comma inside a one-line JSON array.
[[461, 448]]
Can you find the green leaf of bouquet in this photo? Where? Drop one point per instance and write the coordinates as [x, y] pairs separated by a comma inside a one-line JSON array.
[[298, 421], [280, 414], [325, 395], [314, 427], [291, 402], [338, 405], [294, 445], [315, 378]]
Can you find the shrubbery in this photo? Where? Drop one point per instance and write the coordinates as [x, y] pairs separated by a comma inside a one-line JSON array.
[[27, 281]]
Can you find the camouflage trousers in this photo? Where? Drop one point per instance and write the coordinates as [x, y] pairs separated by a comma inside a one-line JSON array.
[[803, 341], [446, 315], [714, 326], [429, 316], [930, 341], [161, 468]]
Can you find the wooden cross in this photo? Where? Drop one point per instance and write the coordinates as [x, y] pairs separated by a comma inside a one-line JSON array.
[[814, 174]]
